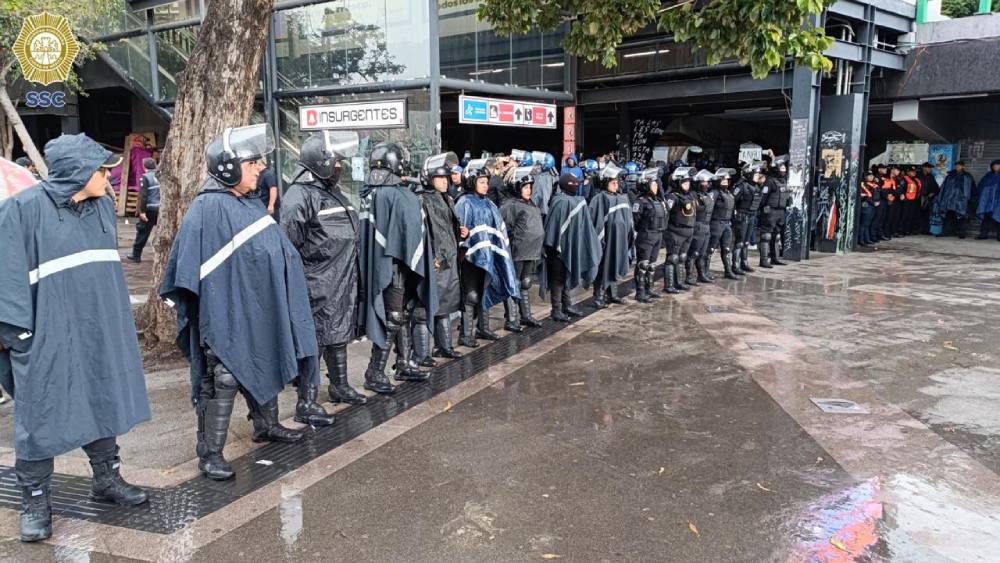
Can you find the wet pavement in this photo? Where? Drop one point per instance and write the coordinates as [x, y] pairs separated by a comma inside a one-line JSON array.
[[679, 431]]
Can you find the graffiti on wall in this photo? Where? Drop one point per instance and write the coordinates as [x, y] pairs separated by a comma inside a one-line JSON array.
[[799, 156]]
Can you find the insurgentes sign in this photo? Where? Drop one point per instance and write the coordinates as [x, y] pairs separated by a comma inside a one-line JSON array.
[[381, 114]]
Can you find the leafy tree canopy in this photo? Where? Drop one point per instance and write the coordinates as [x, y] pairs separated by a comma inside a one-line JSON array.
[[757, 33]]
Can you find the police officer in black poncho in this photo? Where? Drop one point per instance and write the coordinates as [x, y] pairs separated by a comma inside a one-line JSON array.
[[446, 232], [572, 250], [611, 213], [681, 207], [721, 228], [232, 277], [321, 223], [397, 266], [697, 258], [650, 217], [525, 231], [747, 195]]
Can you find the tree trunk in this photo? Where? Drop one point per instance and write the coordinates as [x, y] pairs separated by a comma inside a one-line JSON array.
[[6, 137], [214, 92], [10, 112]]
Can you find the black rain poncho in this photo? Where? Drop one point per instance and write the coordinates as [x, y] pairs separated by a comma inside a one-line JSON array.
[[323, 225], [570, 233], [443, 223], [71, 357], [238, 287], [393, 228], [612, 218], [525, 229]]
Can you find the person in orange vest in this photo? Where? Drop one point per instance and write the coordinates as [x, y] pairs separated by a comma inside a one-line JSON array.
[[910, 223], [879, 233], [892, 191], [871, 197]]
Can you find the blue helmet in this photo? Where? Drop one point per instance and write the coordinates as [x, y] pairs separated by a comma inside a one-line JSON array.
[[631, 168], [590, 166], [456, 169], [527, 159], [548, 162]]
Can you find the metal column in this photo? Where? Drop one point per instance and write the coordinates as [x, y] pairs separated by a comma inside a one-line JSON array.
[[802, 151], [435, 64], [154, 64]]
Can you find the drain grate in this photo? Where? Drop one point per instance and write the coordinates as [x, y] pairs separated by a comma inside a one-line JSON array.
[[764, 346], [170, 509], [838, 406]]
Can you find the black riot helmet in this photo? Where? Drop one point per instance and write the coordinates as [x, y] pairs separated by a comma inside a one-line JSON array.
[[611, 172], [758, 168], [438, 165], [390, 156], [225, 154], [704, 179], [522, 176], [779, 162], [681, 175], [724, 174], [320, 153], [476, 168], [648, 177]]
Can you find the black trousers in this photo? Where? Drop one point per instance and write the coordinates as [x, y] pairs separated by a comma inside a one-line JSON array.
[[38, 472], [142, 231], [401, 292], [984, 227], [911, 217], [955, 224], [865, 229], [647, 246]]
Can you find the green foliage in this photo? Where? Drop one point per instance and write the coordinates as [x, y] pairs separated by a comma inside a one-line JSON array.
[[85, 16], [758, 33], [964, 8]]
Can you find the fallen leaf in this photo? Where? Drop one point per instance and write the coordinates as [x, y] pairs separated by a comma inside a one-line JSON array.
[[551, 556], [819, 460], [947, 344], [447, 407], [694, 529], [838, 544], [595, 331], [577, 383], [763, 488], [660, 472]]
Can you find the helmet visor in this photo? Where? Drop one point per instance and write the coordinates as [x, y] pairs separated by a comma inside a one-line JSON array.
[[443, 160], [341, 144], [249, 143], [611, 171]]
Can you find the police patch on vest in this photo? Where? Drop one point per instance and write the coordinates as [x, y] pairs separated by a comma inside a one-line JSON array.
[[688, 209], [635, 207]]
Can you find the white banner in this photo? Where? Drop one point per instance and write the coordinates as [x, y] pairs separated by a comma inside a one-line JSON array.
[[381, 114]]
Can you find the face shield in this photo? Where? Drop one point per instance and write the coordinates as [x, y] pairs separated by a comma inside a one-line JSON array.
[[341, 144], [611, 172], [683, 173], [704, 176], [444, 160], [250, 143]]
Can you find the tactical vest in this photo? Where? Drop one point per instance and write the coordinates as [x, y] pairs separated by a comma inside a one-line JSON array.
[[652, 215], [684, 209], [153, 191], [749, 198], [725, 204]]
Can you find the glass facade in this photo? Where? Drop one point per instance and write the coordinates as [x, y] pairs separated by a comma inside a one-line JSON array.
[[351, 42], [132, 54], [417, 136], [471, 50], [177, 11], [173, 47]]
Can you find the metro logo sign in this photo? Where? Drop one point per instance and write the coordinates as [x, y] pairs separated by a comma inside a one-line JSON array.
[[507, 113]]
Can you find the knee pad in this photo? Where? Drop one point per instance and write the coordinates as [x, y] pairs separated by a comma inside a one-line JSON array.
[[526, 283], [683, 257], [396, 318], [225, 382], [726, 250], [642, 265], [765, 237], [673, 259], [472, 297], [420, 315]]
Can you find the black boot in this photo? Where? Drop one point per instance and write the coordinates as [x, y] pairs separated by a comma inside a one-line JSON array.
[[567, 304], [483, 331], [407, 368], [375, 378], [690, 276], [108, 485], [524, 309], [744, 258], [467, 328], [307, 410], [213, 429], [336, 366], [266, 427], [764, 247], [442, 337], [670, 278], [422, 344], [734, 262], [650, 283], [727, 265], [599, 298], [613, 295], [510, 316], [640, 285], [702, 265], [36, 513], [776, 252], [556, 297]]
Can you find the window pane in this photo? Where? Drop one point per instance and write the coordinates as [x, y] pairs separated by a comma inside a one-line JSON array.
[[176, 11], [173, 48], [351, 42], [132, 54]]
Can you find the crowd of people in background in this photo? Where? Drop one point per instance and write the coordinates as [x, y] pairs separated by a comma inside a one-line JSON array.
[[899, 201]]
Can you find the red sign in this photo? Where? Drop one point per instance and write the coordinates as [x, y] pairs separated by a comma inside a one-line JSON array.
[[569, 132], [538, 116], [569, 148], [507, 113], [311, 118], [569, 115]]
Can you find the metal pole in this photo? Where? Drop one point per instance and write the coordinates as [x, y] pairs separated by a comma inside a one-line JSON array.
[[435, 60], [154, 65]]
